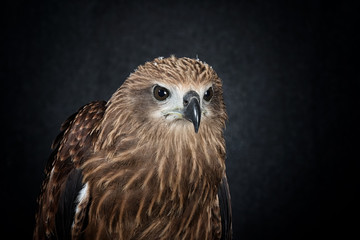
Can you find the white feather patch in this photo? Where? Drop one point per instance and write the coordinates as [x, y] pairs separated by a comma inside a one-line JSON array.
[[82, 195]]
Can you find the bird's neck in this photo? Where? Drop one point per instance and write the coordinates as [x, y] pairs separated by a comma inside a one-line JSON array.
[[176, 160], [171, 177]]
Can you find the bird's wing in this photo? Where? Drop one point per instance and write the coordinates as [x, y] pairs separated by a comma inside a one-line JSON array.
[[225, 209], [63, 182], [67, 204]]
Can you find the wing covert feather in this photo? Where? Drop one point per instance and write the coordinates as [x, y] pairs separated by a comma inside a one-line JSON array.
[[70, 148]]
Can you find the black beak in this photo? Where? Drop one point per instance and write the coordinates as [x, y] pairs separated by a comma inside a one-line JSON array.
[[192, 111]]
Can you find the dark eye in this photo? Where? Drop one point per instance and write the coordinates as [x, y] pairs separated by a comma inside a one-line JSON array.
[[208, 94], [161, 93]]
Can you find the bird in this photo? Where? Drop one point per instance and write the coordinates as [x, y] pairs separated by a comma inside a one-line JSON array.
[[147, 164]]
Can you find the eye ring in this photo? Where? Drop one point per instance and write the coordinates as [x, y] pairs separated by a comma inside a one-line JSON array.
[[208, 94], [161, 93]]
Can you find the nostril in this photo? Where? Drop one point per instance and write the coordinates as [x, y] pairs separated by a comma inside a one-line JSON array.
[[186, 102]]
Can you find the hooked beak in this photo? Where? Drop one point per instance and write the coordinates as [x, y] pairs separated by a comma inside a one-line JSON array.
[[192, 111]]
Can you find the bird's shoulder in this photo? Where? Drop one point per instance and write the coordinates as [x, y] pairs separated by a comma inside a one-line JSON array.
[[78, 132]]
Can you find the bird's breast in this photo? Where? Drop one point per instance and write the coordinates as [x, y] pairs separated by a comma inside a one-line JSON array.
[[137, 202]]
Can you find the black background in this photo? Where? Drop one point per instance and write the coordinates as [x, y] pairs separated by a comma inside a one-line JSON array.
[[290, 85]]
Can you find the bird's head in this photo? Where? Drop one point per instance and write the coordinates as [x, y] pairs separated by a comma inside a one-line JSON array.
[[170, 93], [182, 103]]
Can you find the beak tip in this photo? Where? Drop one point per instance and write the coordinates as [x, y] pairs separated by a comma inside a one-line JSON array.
[[196, 124], [196, 129]]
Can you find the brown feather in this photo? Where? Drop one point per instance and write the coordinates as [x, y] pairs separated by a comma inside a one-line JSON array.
[[148, 178], [70, 148]]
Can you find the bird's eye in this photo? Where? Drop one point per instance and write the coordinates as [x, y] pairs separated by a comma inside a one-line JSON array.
[[161, 93], [208, 94]]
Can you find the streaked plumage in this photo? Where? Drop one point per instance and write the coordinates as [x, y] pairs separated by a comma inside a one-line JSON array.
[[139, 166]]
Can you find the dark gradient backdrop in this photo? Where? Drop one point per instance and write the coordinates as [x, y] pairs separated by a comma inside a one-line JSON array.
[[290, 87]]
